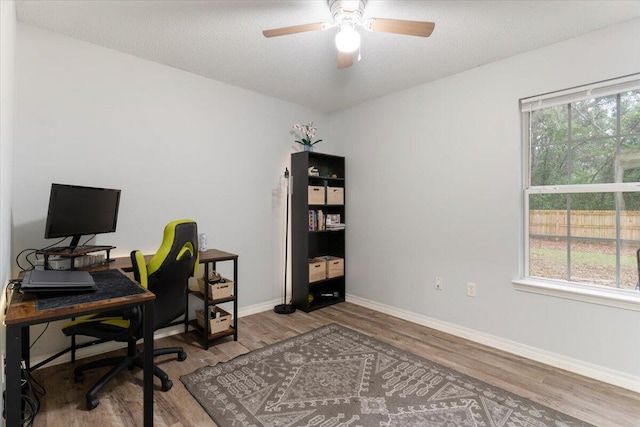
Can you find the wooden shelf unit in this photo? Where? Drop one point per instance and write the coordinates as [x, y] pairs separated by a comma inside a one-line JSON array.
[[306, 244], [209, 259]]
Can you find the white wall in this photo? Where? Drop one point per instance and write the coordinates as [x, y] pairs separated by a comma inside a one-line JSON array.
[[7, 64], [437, 174], [178, 145], [436, 170]]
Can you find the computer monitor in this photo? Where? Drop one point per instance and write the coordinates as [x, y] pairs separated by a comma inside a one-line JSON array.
[[75, 210]]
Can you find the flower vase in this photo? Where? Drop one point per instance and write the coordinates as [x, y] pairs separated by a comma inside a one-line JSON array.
[[308, 147]]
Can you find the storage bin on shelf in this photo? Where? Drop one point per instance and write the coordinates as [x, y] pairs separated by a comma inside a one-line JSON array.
[[317, 269], [335, 266], [218, 324], [316, 195], [335, 196], [219, 290]]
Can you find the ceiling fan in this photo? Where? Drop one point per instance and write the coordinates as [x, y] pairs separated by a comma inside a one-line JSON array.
[[347, 15]]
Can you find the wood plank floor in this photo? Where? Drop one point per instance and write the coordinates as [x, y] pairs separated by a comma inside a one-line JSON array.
[[121, 401]]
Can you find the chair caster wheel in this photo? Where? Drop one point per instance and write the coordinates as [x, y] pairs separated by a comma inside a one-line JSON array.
[[92, 403], [78, 378], [166, 385], [182, 356]]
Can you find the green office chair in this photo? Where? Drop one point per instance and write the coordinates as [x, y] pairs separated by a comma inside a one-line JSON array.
[[167, 276]]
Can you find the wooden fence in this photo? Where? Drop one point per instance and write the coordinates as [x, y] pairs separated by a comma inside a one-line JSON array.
[[588, 224]]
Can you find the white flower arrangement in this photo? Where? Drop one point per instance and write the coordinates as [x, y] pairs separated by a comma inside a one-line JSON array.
[[308, 132]]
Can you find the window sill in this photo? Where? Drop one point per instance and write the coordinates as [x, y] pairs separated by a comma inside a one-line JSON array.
[[619, 298]]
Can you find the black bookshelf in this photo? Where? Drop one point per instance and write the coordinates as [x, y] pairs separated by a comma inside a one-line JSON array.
[[316, 240]]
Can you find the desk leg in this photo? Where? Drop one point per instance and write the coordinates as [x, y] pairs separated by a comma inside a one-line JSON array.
[[12, 398], [148, 364], [26, 349]]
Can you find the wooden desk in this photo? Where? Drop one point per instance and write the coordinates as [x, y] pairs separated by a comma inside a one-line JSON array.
[[22, 313]]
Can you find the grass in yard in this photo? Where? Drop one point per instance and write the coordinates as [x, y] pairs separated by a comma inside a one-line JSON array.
[[591, 262], [590, 258]]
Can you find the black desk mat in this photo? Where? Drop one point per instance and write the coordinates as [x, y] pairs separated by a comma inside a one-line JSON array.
[[111, 284]]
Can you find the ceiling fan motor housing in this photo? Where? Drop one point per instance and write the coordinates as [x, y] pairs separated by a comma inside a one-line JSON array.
[[347, 12]]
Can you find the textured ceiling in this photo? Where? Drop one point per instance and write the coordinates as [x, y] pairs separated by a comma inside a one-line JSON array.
[[222, 40]]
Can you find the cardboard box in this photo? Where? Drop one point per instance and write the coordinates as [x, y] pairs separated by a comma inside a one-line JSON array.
[[317, 270], [335, 267], [218, 290], [335, 196], [218, 324], [316, 195]]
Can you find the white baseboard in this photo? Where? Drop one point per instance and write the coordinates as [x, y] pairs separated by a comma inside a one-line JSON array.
[[576, 366], [258, 308], [166, 332]]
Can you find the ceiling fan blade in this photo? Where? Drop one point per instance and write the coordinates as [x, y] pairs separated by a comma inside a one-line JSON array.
[[295, 29], [400, 26], [345, 59]]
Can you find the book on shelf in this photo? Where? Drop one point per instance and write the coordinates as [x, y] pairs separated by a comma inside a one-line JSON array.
[[333, 227], [332, 219], [333, 222], [319, 221], [316, 220]]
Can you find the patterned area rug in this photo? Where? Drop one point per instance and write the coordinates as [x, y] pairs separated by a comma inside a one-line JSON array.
[[336, 377]]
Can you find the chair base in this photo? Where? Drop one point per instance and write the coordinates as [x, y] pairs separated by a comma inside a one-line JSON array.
[[131, 360]]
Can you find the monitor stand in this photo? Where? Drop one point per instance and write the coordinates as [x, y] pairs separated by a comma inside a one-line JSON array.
[[73, 247], [74, 243], [75, 252]]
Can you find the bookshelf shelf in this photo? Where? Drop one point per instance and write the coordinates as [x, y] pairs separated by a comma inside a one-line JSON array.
[[310, 237]]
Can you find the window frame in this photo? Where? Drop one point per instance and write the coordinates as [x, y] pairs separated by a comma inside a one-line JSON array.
[[615, 297]]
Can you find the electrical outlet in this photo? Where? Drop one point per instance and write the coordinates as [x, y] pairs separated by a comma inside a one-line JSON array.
[[439, 285], [471, 289]]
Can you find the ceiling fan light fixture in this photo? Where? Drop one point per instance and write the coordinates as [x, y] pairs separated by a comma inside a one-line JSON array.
[[348, 15], [347, 39]]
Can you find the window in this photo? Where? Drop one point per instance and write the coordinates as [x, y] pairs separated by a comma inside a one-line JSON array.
[[582, 186]]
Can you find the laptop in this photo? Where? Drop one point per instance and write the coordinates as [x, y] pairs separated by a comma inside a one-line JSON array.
[[37, 281]]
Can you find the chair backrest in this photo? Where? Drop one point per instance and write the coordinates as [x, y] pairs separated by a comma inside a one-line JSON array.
[[167, 274]]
